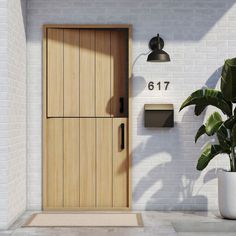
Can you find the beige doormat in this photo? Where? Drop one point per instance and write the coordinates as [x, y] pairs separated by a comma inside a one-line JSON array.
[[85, 220]]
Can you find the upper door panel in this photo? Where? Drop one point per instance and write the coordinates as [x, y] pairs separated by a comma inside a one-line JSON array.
[[71, 73], [55, 61], [87, 74], [103, 73]]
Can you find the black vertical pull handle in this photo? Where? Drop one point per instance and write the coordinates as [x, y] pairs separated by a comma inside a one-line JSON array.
[[121, 105], [122, 145]]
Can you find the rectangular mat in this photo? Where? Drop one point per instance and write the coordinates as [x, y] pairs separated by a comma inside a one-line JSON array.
[[84, 220]]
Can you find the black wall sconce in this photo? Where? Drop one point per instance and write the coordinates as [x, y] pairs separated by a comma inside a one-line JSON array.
[[156, 44]]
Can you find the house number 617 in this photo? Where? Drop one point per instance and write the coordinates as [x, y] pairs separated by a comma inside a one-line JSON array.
[[160, 85]]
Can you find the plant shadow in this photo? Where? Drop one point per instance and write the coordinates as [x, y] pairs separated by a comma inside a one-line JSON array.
[[170, 178]]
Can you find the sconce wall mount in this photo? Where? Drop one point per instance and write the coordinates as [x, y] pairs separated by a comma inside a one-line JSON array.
[[156, 44]]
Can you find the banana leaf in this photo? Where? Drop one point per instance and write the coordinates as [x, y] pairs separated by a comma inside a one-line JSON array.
[[213, 123], [223, 138], [234, 136], [200, 132], [211, 127], [205, 97], [229, 123], [199, 109], [208, 153], [228, 80]]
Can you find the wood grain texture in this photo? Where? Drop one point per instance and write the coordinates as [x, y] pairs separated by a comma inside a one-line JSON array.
[[87, 73], [84, 209], [71, 73], [119, 73], [116, 201], [89, 26], [55, 72], [104, 162], [130, 99], [71, 162], [120, 165], [44, 123], [87, 162], [103, 74], [54, 155]]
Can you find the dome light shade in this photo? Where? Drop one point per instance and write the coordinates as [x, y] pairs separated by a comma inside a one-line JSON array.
[[156, 44]]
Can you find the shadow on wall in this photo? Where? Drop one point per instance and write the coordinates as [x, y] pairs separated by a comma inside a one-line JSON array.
[[166, 15], [170, 16], [213, 79], [174, 183], [179, 21], [140, 82], [23, 12]]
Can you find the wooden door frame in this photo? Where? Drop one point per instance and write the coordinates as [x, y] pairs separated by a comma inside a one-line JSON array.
[[88, 26]]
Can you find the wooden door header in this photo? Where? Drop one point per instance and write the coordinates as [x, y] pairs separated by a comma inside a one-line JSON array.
[[89, 26]]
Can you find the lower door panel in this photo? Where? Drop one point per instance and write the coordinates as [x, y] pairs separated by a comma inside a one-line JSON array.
[[86, 164]]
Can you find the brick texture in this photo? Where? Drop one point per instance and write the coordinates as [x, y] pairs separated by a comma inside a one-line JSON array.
[[13, 111], [199, 36]]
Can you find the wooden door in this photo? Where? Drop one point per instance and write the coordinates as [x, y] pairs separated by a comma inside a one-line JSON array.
[[88, 163], [71, 162], [103, 74], [55, 61], [87, 73], [53, 184], [86, 147], [104, 162], [71, 88], [120, 163]]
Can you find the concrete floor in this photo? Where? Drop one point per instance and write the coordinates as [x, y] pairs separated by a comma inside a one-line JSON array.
[[155, 224]]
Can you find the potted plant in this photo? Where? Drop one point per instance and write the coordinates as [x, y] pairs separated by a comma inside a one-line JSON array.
[[223, 129]]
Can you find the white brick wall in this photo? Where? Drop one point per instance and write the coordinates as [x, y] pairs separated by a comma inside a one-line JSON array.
[[3, 110], [199, 35], [13, 111]]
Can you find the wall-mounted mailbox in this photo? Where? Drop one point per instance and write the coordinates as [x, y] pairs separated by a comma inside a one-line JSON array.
[[158, 115]]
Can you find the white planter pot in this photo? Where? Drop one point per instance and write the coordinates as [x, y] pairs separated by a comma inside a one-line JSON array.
[[227, 194]]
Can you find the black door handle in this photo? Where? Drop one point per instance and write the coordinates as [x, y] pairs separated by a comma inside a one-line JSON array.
[[121, 105], [122, 145]]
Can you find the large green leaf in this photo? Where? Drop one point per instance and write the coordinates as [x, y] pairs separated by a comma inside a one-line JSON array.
[[229, 123], [224, 139], [200, 132], [205, 97], [213, 123], [234, 136], [208, 153], [228, 80], [199, 109], [211, 127]]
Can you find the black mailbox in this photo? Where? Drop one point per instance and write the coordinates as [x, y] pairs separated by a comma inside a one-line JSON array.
[[158, 115]]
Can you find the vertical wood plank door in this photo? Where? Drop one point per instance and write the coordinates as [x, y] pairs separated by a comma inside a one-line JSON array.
[[86, 162], [120, 163], [54, 165], [119, 70], [71, 73], [71, 162], [104, 162], [55, 38], [87, 73], [103, 73]]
